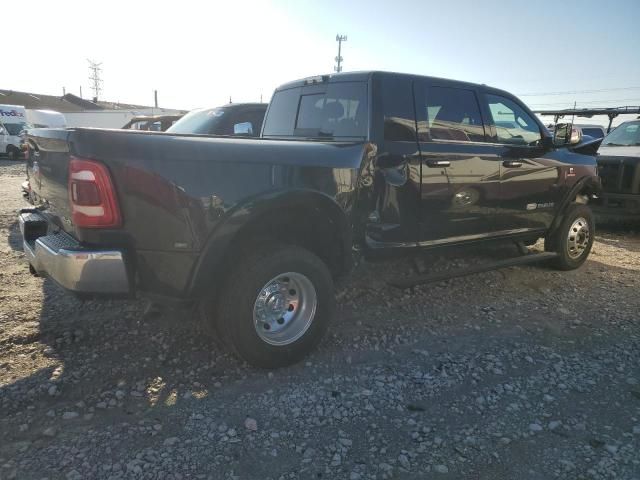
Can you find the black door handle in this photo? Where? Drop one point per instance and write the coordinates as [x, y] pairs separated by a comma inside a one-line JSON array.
[[512, 164], [438, 163]]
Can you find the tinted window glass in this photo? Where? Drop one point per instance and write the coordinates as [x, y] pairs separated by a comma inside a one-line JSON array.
[[625, 134], [593, 132], [204, 122], [340, 111], [281, 115], [310, 111], [452, 114], [513, 124], [255, 118], [397, 105]]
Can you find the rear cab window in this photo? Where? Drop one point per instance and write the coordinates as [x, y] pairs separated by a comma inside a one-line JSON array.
[[327, 111]]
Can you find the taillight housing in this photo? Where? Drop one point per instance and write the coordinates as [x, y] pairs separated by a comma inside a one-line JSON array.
[[93, 199]]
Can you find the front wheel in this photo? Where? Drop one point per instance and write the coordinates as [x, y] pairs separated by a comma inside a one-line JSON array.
[[276, 305], [573, 239]]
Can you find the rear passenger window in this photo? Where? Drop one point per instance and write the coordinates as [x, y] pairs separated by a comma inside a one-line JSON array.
[[514, 125], [396, 94], [452, 114]]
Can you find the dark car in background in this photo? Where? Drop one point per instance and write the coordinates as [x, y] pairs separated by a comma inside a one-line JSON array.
[[593, 131], [152, 123], [233, 119], [619, 169]]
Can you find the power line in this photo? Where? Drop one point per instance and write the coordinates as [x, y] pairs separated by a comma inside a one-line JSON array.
[[591, 102], [571, 92]]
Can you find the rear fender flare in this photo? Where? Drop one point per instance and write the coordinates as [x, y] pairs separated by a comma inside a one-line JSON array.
[[226, 232]]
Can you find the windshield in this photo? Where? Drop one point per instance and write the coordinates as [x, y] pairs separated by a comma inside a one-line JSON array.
[[626, 134], [203, 122], [14, 128], [340, 111]]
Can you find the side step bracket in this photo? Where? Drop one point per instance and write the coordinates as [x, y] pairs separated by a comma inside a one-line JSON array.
[[461, 272]]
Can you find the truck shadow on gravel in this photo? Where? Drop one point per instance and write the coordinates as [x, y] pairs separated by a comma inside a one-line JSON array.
[[14, 239], [619, 234]]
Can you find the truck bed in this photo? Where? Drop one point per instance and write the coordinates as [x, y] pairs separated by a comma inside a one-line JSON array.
[[175, 191]]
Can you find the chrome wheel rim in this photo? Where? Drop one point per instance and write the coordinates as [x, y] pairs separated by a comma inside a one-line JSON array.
[[578, 238], [285, 308]]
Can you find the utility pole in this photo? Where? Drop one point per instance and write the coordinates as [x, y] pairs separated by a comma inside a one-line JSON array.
[[95, 69], [339, 39]]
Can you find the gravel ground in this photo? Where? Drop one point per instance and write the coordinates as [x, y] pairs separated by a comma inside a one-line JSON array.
[[524, 373]]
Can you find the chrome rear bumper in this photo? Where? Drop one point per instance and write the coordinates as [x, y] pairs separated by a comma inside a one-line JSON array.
[[60, 257]]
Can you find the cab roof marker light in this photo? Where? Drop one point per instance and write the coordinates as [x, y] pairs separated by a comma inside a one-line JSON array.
[[316, 79]]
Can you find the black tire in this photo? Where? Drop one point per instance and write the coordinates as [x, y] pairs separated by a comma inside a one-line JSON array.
[[235, 309], [558, 242], [13, 153]]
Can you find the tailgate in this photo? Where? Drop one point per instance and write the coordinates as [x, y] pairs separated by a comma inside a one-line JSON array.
[[47, 168]]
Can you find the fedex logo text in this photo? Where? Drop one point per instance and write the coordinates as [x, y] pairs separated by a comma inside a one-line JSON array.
[[11, 113]]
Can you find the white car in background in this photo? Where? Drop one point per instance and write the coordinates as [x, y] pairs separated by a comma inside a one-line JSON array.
[[45, 119], [13, 120]]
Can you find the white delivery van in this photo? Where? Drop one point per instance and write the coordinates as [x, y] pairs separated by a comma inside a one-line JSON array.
[[45, 119], [13, 120]]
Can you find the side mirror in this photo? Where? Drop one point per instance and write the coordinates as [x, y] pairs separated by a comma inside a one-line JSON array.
[[566, 134], [244, 128], [1, 130]]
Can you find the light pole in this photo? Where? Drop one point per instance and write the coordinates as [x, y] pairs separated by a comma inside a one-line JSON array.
[[339, 39]]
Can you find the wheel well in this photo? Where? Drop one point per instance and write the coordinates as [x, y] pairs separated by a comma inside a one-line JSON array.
[[586, 192], [321, 229], [310, 226], [580, 195]]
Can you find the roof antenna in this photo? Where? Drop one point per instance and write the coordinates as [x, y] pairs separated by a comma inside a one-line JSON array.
[[573, 117]]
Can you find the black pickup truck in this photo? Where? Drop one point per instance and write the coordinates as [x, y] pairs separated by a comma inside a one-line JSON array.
[[256, 230]]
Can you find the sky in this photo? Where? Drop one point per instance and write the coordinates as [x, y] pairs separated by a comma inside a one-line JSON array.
[[201, 53]]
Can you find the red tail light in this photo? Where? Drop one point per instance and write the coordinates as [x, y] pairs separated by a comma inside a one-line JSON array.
[[93, 199]]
